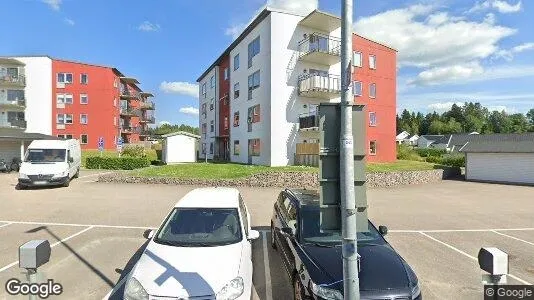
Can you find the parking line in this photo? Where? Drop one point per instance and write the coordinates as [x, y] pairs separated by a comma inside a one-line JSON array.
[[268, 284], [4, 225], [79, 225], [513, 237], [470, 256], [461, 230], [92, 175], [51, 246], [117, 286]]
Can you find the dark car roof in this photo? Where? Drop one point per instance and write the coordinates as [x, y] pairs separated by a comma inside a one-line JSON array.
[[305, 197]]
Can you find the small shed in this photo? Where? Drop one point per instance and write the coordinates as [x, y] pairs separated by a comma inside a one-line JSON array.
[[500, 161], [14, 142], [180, 147]]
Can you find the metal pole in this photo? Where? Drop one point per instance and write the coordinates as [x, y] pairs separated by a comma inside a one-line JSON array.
[[32, 278], [351, 284]]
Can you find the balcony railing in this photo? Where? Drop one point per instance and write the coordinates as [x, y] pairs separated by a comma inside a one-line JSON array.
[[128, 94], [148, 119], [17, 105], [15, 80], [129, 129], [148, 105], [319, 48], [323, 86], [129, 112], [308, 122], [13, 124]]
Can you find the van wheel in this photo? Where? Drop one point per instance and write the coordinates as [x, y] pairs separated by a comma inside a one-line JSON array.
[[77, 173], [67, 183]]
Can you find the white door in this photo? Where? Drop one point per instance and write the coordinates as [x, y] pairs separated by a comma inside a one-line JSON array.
[[501, 167]]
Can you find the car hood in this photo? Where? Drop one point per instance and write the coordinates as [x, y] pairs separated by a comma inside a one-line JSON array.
[[43, 168], [381, 268], [183, 272]]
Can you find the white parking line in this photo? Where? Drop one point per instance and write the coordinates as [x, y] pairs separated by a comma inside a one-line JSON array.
[[4, 225], [512, 237], [461, 230], [51, 246], [92, 175], [268, 284], [470, 256], [79, 225], [117, 286]]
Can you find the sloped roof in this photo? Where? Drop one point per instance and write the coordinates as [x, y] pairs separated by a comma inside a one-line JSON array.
[[500, 146], [18, 134], [181, 133], [462, 139]]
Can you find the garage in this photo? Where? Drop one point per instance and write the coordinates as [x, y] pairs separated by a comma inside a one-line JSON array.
[[180, 147], [500, 161], [13, 142]]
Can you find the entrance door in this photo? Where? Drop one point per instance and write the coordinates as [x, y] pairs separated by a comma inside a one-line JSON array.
[[250, 145]]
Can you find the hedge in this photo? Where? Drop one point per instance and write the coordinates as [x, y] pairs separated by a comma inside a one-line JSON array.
[[448, 160], [426, 152], [116, 163]]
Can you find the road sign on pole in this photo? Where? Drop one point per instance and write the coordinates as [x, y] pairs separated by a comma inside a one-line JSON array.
[[120, 143], [101, 144]]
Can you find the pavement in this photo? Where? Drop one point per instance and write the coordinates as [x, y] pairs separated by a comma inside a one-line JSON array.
[[96, 230]]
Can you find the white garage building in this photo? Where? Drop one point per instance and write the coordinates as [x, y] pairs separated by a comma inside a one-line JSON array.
[[500, 161], [180, 147], [14, 142]]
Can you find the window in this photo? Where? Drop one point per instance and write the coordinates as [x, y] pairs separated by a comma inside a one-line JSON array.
[[64, 118], [64, 77], [372, 62], [115, 102], [236, 61], [236, 119], [255, 147], [204, 112], [61, 136], [204, 127], [226, 74], [372, 90], [68, 118], [372, 119], [115, 121], [211, 148], [15, 95], [64, 98], [116, 83], [256, 113], [83, 119], [212, 104], [357, 88], [84, 99], [68, 136], [225, 122], [203, 148], [84, 78], [236, 147], [212, 126], [236, 90], [204, 89], [253, 83], [253, 50], [372, 148], [357, 59], [212, 82], [83, 139]]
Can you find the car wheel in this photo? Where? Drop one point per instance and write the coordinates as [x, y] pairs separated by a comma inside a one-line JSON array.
[[298, 292], [67, 183], [20, 187], [273, 241], [77, 173]]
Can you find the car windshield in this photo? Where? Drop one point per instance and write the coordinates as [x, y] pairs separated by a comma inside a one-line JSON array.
[[45, 155], [311, 232], [200, 227]]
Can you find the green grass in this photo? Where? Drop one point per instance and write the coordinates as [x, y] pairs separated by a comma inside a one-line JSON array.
[[231, 171], [151, 154]]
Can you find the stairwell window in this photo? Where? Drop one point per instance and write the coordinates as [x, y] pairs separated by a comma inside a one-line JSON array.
[[372, 90], [372, 119], [253, 50], [372, 62], [236, 90], [253, 83], [357, 88], [225, 122], [236, 61], [236, 147], [372, 148], [212, 82]]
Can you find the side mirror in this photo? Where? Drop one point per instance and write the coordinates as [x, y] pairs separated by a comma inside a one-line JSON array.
[[286, 231], [383, 229], [253, 235], [148, 234], [71, 160]]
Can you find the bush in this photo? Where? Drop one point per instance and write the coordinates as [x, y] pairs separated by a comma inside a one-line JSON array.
[[426, 152], [157, 146], [134, 151], [453, 160], [434, 159], [157, 162], [116, 163], [405, 152]]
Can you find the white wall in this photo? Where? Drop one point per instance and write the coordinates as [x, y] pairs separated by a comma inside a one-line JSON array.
[[500, 167], [179, 149], [211, 93], [38, 92]]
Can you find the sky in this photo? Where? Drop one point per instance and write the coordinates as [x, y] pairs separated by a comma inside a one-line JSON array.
[[449, 51]]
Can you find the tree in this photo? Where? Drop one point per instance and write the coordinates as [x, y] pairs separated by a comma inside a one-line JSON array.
[[452, 126], [436, 127], [530, 118], [167, 128], [499, 122], [519, 123]]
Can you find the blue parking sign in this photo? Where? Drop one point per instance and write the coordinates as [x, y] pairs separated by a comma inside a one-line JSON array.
[[101, 143]]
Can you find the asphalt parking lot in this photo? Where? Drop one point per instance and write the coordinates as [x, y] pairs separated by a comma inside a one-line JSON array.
[[96, 232]]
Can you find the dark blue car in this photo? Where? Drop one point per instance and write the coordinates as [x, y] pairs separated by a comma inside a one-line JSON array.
[[313, 258]]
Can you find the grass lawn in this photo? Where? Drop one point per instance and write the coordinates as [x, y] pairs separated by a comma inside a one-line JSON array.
[[229, 170], [110, 153]]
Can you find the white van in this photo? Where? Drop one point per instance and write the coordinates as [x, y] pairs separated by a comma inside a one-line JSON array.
[[50, 162]]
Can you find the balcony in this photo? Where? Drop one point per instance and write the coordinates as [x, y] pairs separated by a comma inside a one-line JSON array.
[[129, 95], [127, 129], [147, 119], [129, 112], [309, 122], [320, 49], [148, 105], [322, 86], [13, 80], [16, 123], [12, 105]]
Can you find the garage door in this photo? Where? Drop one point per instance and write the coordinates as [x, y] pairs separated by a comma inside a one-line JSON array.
[[9, 150], [501, 167]]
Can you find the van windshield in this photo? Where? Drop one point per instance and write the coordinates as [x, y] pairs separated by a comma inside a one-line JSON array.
[[45, 155]]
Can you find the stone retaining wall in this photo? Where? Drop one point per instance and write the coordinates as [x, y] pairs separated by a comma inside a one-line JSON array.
[[292, 179]]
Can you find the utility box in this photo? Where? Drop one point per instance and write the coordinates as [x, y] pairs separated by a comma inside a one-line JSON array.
[[34, 254], [329, 166], [493, 260]]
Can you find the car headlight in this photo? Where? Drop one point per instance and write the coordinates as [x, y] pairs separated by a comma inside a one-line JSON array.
[[416, 291], [134, 290], [326, 293], [62, 174], [232, 290], [23, 176]]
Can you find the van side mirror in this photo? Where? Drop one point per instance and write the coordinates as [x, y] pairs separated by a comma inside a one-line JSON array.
[[148, 234], [71, 160], [286, 231], [383, 229]]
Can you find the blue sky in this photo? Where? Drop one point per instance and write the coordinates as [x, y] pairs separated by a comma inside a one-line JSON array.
[[449, 50]]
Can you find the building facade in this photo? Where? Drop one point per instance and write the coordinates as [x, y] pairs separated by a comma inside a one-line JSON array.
[[76, 100], [12, 93], [281, 68]]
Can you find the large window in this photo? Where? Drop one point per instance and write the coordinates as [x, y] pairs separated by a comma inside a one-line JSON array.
[[64, 98], [64, 118], [253, 83], [236, 61], [212, 126], [372, 62], [253, 50], [84, 78], [372, 119], [83, 119], [357, 88], [372, 90], [255, 114], [15, 95], [236, 119], [255, 147], [357, 59], [204, 128], [236, 90], [372, 147], [84, 99], [83, 139], [64, 77], [212, 82], [236, 147], [226, 74]]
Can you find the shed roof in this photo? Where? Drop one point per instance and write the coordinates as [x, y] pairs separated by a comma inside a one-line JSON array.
[[18, 134], [499, 147], [181, 133]]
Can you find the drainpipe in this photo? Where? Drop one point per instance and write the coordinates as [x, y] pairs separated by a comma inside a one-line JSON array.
[[22, 150]]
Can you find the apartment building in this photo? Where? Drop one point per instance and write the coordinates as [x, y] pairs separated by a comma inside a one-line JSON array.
[[12, 96], [69, 99], [280, 69]]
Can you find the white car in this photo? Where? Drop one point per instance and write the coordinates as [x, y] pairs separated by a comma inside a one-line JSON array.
[[201, 251]]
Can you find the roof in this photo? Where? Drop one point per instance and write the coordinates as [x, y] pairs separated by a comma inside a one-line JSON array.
[[212, 197], [412, 136], [438, 139], [305, 197], [18, 134], [181, 133], [462, 139], [11, 61], [499, 147]]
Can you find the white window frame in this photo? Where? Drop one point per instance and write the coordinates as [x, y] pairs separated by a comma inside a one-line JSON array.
[[57, 118], [86, 99], [236, 65], [86, 78], [371, 89], [63, 98], [71, 118], [212, 81], [376, 147], [86, 118], [360, 64], [114, 121], [372, 113], [354, 88], [226, 73], [65, 78], [372, 61], [61, 136], [203, 88], [86, 139]]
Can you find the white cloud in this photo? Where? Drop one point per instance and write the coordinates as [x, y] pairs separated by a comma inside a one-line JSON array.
[[501, 108], [189, 110], [490, 18], [501, 6], [235, 30], [54, 4], [147, 26], [69, 22], [178, 87], [164, 123], [509, 54], [441, 107]]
